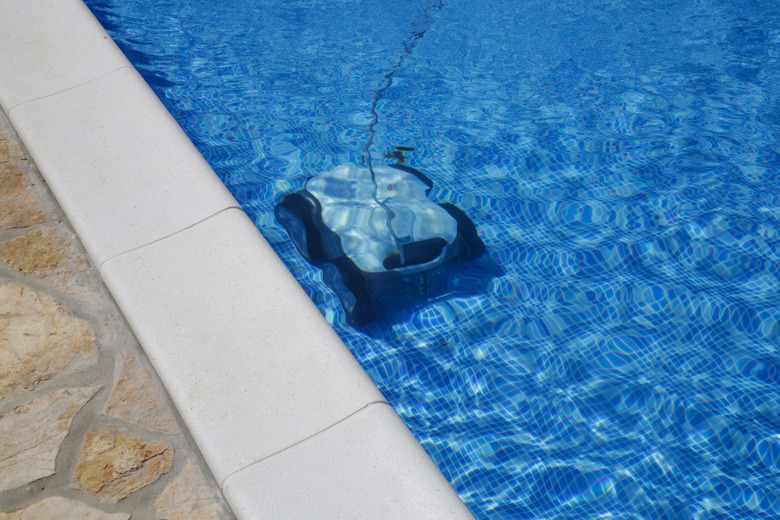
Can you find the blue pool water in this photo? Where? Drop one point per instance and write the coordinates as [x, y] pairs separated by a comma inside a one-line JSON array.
[[615, 354]]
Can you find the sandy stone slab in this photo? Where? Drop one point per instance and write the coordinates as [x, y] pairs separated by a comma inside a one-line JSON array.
[[59, 508], [114, 464], [31, 435], [37, 251], [135, 399], [9, 147], [189, 497], [39, 339], [19, 207], [51, 255]]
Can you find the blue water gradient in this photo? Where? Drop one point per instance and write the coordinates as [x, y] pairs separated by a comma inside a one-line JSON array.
[[616, 353]]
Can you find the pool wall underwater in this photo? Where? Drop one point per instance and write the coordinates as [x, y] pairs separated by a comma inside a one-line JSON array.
[[289, 423]]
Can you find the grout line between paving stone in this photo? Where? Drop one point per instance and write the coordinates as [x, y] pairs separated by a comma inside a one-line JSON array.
[[168, 236], [310, 437], [9, 110]]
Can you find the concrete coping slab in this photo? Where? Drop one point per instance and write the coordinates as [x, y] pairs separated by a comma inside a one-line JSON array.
[[272, 397]]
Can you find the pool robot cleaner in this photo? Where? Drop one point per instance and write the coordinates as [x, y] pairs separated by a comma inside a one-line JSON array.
[[380, 241]]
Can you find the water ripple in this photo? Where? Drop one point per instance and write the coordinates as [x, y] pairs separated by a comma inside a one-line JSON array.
[[615, 353]]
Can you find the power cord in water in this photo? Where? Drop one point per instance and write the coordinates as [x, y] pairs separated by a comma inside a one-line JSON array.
[[408, 44]]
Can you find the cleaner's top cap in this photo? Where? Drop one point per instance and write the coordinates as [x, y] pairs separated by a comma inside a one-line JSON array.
[[352, 211]]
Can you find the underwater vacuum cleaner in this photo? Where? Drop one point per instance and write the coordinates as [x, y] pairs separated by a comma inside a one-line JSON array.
[[379, 240]]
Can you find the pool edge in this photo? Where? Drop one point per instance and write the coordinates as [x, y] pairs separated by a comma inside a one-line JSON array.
[[127, 250]]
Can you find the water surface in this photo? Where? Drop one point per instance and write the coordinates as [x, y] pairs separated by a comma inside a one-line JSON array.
[[615, 355]]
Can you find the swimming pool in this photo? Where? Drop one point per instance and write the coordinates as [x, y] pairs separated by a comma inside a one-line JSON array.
[[617, 354]]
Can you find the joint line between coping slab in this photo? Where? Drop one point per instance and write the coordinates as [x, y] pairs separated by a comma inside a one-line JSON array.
[[136, 248], [291, 446], [123, 67]]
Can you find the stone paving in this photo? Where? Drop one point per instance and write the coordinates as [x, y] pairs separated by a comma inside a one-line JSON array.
[[86, 428]]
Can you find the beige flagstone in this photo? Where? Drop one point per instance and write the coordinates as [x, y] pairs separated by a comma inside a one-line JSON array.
[[39, 340], [135, 399], [9, 147], [35, 252], [18, 206], [51, 256], [189, 497], [114, 464], [31, 435]]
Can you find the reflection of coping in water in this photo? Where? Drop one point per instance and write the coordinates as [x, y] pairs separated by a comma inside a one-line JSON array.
[[339, 222]]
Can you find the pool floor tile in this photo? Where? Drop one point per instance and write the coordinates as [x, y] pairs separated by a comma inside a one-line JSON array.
[[369, 466], [119, 164], [44, 58], [251, 364]]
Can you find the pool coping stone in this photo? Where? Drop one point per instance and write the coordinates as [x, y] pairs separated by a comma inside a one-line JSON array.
[[261, 380], [296, 379], [120, 155]]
